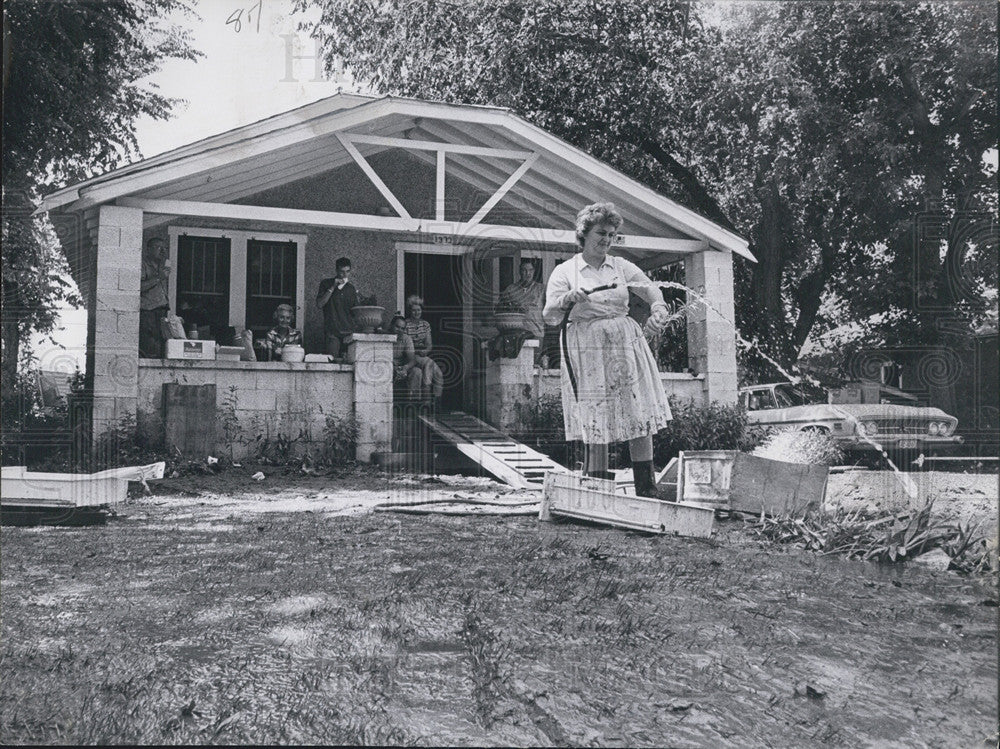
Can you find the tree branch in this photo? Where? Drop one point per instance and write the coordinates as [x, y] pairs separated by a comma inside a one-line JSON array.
[[916, 100], [703, 200], [966, 108]]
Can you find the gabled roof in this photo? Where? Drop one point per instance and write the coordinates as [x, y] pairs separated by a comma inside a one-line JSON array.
[[309, 140]]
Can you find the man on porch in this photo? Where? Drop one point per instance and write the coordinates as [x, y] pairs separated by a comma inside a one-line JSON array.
[[153, 302], [336, 297]]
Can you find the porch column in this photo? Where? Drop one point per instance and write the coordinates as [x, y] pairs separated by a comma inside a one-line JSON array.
[[371, 355], [508, 382], [116, 316], [711, 336]]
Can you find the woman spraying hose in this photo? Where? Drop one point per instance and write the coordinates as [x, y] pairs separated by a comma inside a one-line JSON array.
[[611, 387]]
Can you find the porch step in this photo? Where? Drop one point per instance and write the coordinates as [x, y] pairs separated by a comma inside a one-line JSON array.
[[507, 459]]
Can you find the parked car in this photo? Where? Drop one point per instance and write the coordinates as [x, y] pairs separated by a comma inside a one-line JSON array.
[[854, 426]]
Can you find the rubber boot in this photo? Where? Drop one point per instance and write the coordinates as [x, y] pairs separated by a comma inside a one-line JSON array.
[[645, 480]]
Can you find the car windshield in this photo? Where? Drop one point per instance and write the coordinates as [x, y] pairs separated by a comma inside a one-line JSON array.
[[788, 396]]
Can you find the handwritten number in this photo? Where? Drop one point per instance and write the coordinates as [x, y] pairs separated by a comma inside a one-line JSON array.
[[258, 7], [236, 17]]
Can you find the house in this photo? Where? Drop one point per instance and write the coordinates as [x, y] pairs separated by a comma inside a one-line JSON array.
[[426, 197]]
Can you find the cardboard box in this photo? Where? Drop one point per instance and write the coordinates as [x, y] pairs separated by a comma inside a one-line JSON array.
[[229, 353], [178, 348]]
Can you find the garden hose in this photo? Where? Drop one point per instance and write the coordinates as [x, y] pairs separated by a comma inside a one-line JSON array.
[[562, 336]]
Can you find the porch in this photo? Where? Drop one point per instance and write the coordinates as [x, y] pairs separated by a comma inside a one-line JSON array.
[[439, 200]]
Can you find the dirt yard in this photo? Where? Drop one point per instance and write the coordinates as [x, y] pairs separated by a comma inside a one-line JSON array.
[[287, 611]]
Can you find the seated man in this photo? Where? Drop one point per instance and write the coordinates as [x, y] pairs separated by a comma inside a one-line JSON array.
[[420, 331], [282, 334], [404, 364]]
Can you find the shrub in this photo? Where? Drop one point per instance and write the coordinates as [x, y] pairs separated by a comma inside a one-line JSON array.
[[126, 443], [711, 427], [880, 537], [540, 420], [32, 435], [540, 425], [340, 438], [812, 447]]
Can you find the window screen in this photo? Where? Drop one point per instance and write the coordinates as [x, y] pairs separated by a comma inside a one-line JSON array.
[[271, 281], [203, 280]]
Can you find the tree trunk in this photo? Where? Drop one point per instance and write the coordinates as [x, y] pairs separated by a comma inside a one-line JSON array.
[[11, 354], [770, 250]]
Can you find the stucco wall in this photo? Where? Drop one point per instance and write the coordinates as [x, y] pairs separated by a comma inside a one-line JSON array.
[[271, 398]]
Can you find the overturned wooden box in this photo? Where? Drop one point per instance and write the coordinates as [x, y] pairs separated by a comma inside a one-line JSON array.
[[738, 482], [584, 498], [24, 488]]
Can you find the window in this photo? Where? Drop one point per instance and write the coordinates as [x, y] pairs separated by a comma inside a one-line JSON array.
[[235, 279], [203, 281], [761, 400], [271, 280]]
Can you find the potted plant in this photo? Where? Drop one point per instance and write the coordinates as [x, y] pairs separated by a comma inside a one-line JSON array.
[[508, 317], [367, 314]]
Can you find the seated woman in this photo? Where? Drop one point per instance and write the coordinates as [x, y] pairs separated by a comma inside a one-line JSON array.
[[420, 331], [282, 334], [404, 364]]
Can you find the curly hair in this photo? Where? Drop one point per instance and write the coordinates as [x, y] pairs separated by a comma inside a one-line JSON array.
[[280, 307], [414, 299], [594, 214]]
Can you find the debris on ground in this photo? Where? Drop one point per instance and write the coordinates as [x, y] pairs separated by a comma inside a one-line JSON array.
[[936, 559]]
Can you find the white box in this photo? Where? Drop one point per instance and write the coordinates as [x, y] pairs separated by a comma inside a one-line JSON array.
[[228, 353], [181, 348]]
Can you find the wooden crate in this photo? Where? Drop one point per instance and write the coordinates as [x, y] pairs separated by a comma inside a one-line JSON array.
[[738, 482], [585, 498], [704, 477], [774, 487]]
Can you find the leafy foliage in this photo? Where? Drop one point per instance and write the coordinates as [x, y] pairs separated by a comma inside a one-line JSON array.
[[817, 130], [889, 538], [340, 437], [75, 83], [810, 447], [706, 427]]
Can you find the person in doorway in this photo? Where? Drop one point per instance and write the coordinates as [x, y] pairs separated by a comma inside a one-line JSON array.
[[611, 387], [404, 363], [153, 301], [525, 295], [420, 331], [282, 334], [336, 297]]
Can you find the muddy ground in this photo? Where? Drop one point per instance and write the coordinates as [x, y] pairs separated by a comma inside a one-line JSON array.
[[286, 611]]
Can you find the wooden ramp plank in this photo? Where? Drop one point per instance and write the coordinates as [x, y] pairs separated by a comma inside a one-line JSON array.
[[596, 500], [507, 459]]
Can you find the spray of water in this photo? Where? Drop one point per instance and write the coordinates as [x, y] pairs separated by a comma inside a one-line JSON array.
[[694, 299]]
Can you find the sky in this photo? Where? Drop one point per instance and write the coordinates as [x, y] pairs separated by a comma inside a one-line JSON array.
[[255, 64]]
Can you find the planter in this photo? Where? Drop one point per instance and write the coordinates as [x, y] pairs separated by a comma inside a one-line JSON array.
[[367, 317], [293, 354], [506, 322]]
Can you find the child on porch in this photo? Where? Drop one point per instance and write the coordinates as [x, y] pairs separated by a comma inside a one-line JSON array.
[[282, 334]]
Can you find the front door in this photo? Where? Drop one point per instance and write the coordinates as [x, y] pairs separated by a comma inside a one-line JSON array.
[[438, 279]]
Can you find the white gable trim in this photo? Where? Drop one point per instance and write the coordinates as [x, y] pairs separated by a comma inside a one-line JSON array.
[[245, 143]]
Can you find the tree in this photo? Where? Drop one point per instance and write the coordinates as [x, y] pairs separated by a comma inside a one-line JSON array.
[[782, 125], [74, 85], [904, 96]]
